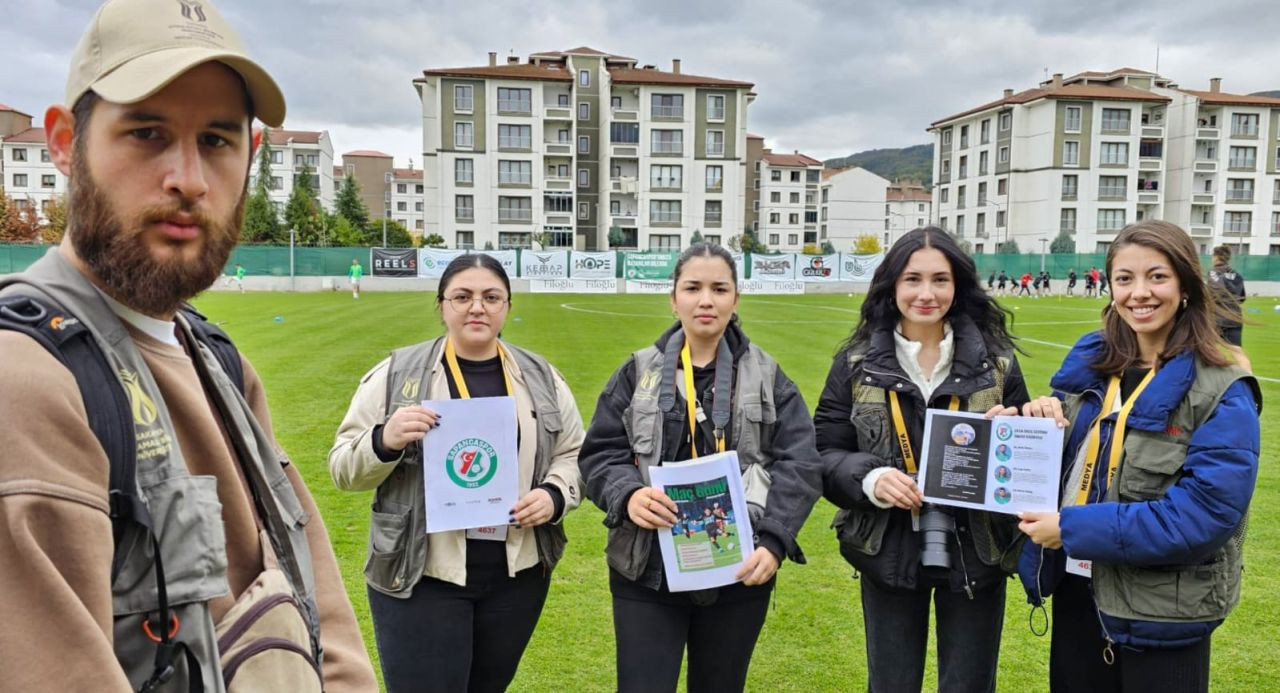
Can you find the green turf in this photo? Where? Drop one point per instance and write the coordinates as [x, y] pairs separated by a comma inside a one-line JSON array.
[[313, 356]]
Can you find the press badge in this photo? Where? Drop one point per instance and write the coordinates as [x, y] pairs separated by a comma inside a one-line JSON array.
[[1081, 567], [495, 533]]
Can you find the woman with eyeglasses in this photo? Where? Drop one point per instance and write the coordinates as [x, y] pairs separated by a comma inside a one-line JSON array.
[[453, 611]]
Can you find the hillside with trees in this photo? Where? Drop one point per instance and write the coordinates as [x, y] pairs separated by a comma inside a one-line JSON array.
[[907, 162]]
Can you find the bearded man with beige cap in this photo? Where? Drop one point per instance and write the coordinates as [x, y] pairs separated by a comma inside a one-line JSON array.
[[205, 566]]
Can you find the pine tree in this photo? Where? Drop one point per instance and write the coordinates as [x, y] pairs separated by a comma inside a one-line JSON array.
[[348, 204], [1064, 243], [302, 213], [696, 237]]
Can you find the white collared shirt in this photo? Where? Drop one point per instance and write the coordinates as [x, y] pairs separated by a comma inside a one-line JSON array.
[[908, 353]]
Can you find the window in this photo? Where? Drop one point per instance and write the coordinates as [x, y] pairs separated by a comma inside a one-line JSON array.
[[584, 178], [584, 144], [664, 242], [1000, 216], [466, 240], [464, 208], [944, 196], [463, 172], [277, 157], [562, 135], [827, 190], [773, 239], [515, 100], [584, 110], [980, 224], [562, 170], [584, 78], [715, 178], [44, 156], [775, 218], [775, 175], [1115, 120], [19, 180], [960, 197], [793, 218], [515, 137], [960, 226], [561, 237], [562, 100], [1112, 187], [1115, 153], [810, 217], [964, 136], [515, 208], [666, 177], [1244, 124], [812, 175], [982, 163], [712, 238], [824, 215], [667, 141], [508, 240], [946, 137], [515, 172], [417, 206], [795, 176], [615, 208], [47, 180], [664, 211], [1238, 222], [277, 183], [946, 167], [982, 194], [1244, 157], [624, 133], [402, 206], [793, 239], [715, 142], [775, 197], [19, 154], [1110, 219], [985, 130], [557, 202], [1275, 225], [795, 198], [463, 135], [299, 159], [1002, 188], [1006, 121], [963, 171], [1239, 190], [712, 213], [463, 98], [715, 107], [1071, 153], [666, 105], [615, 103], [584, 210], [402, 189], [1002, 155], [1070, 186]]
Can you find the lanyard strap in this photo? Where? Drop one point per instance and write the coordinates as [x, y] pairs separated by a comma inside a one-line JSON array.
[[691, 401], [451, 359], [900, 429], [1117, 436]]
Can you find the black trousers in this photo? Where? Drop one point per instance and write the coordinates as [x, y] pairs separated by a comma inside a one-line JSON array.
[[897, 624], [1075, 655], [450, 639], [654, 627]]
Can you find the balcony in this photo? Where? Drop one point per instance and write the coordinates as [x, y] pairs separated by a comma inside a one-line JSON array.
[[1150, 163], [1240, 196], [1148, 197], [1153, 131], [1208, 134], [1201, 229], [514, 216], [1233, 228], [514, 107], [558, 113], [1275, 230], [559, 218], [667, 149], [625, 114], [1205, 166], [1247, 133], [624, 219], [667, 113], [1202, 198], [559, 183], [553, 148], [1242, 164], [624, 151]]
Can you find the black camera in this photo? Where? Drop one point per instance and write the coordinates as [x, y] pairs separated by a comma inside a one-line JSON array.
[[936, 525]]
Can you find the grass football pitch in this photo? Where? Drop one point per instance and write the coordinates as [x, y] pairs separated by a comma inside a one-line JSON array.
[[311, 350]]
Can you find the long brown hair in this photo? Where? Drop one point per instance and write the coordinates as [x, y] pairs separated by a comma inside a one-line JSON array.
[[1194, 328]]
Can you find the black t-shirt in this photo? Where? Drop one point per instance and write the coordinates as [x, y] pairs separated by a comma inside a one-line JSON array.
[[1129, 381], [704, 385]]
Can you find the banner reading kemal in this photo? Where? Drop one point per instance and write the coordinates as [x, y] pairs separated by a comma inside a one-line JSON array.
[[859, 268], [819, 268], [773, 267], [432, 261], [553, 264], [649, 265], [585, 265], [395, 262]]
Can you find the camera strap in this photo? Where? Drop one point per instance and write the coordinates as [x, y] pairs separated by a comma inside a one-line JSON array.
[[904, 443], [1117, 436]]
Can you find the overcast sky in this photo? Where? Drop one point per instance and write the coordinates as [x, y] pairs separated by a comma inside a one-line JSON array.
[[833, 78]]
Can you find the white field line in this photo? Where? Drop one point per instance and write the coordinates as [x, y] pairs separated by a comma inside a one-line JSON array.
[[1066, 346]]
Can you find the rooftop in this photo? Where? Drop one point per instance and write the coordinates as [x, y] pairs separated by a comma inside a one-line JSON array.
[[282, 137], [1089, 92], [794, 160], [11, 109], [650, 75], [28, 136], [414, 173], [371, 153], [1219, 98], [546, 72]]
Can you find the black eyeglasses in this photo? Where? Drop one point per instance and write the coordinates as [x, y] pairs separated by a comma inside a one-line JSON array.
[[491, 303]]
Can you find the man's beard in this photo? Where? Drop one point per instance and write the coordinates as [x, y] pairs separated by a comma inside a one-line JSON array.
[[115, 249]]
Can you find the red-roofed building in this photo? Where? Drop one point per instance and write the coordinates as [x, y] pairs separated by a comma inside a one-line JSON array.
[[907, 205], [27, 173], [1087, 154], [788, 205], [571, 147], [293, 153]]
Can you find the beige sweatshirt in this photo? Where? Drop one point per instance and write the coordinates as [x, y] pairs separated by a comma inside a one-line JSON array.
[[55, 535]]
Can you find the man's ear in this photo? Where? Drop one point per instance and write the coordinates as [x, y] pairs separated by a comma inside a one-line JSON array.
[[59, 135]]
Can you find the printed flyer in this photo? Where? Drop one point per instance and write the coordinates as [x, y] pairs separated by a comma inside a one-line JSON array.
[[712, 535], [470, 469]]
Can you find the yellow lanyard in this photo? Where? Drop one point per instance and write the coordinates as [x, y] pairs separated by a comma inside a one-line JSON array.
[[451, 359], [691, 399], [900, 429], [1117, 436]]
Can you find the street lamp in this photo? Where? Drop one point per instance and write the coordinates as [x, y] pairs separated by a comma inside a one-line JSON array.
[[903, 217], [386, 206]]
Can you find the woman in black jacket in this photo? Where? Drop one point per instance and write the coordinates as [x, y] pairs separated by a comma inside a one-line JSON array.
[[641, 419], [928, 337]]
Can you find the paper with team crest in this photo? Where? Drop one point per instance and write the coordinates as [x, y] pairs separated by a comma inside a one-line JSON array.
[[469, 463], [712, 536]]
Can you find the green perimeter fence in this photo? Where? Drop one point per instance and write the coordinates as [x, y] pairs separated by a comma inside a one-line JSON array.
[[329, 262]]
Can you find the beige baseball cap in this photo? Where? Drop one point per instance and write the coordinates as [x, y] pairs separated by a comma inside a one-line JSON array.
[[134, 48]]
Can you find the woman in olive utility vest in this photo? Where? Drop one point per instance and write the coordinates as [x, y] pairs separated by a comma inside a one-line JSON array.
[[928, 337], [642, 420], [453, 611], [1144, 558]]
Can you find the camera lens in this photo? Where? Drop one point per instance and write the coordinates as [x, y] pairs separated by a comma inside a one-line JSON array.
[[936, 526]]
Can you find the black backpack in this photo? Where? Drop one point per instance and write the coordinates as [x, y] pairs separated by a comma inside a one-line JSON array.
[[108, 410]]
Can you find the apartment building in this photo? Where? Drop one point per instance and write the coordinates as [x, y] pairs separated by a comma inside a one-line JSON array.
[[907, 205], [291, 151], [27, 174], [788, 202], [571, 147], [852, 203], [1095, 151], [408, 204], [751, 184]]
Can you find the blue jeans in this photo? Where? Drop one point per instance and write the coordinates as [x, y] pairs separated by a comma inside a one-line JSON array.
[[897, 624]]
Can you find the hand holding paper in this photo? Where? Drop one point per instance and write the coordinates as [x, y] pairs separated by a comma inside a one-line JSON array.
[[1042, 528], [758, 568], [408, 425], [536, 508], [650, 508]]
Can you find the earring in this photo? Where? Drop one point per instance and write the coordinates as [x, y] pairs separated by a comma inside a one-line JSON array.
[[1184, 302]]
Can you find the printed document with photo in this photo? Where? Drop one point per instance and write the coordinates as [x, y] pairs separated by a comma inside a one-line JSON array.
[[469, 463], [1007, 464], [712, 535]]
